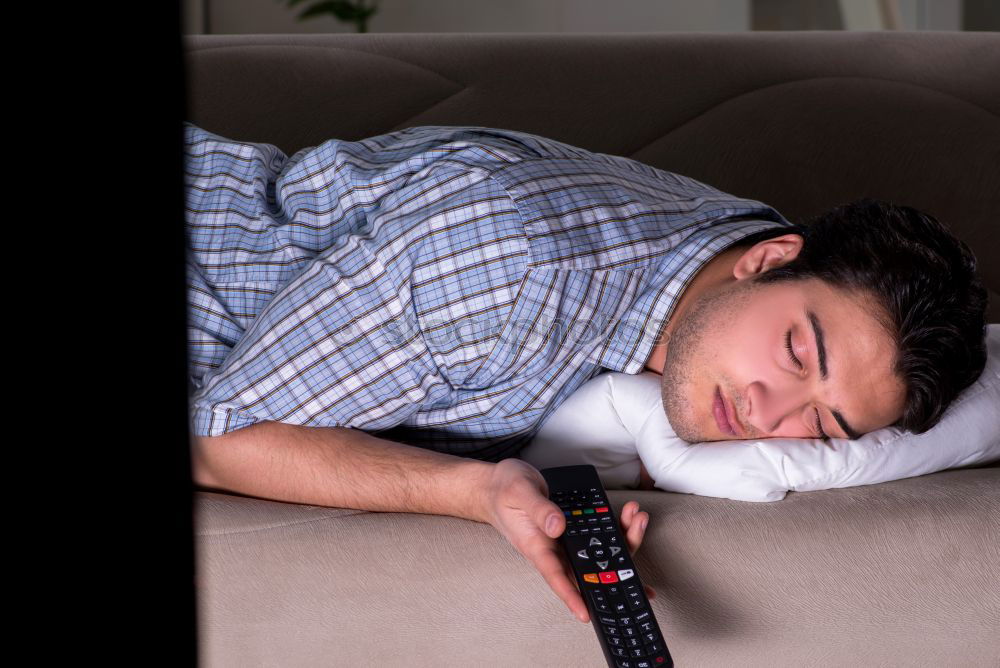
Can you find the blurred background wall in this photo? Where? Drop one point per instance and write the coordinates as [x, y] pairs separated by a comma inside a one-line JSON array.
[[274, 16]]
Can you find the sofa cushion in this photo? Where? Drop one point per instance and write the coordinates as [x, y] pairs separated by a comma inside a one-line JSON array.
[[901, 573]]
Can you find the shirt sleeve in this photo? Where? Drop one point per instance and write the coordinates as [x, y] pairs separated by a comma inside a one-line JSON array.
[[332, 348], [340, 343]]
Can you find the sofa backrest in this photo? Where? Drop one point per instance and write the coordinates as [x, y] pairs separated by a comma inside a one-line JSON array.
[[801, 120]]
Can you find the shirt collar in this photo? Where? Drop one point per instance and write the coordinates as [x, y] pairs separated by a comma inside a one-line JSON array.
[[630, 343]]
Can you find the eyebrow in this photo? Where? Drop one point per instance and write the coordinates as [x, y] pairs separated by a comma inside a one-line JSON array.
[[824, 373]]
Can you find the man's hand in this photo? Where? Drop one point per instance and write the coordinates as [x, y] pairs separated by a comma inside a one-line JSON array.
[[518, 506]]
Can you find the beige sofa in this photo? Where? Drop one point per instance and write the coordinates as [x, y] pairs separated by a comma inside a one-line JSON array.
[[897, 574]]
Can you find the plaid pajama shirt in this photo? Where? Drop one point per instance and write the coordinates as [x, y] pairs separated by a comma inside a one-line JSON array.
[[441, 286]]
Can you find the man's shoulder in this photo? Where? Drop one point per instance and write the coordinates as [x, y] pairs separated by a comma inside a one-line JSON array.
[[488, 148], [604, 212], [581, 209]]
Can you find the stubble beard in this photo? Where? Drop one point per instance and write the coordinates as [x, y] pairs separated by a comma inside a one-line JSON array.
[[687, 350]]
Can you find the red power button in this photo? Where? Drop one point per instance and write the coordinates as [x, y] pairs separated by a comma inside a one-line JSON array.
[[609, 576]]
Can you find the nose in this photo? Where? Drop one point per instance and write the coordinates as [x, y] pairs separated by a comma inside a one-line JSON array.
[[773, 410]]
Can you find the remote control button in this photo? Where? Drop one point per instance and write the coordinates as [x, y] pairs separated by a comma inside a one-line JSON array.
[[603, 564], [634, 604], [608, 576], [607, 619], [610, 630], [602, 509], [591, 577], [596, 541], [661, 661], [630, 632], [623, 663], [642, 616], [654, 647], [626, 621], [637, 652], [633, 642], [625, 573], [615, 642], [613, 590], [619, 607], [583, 554], [619, 651], [614, 550], [643, 663]]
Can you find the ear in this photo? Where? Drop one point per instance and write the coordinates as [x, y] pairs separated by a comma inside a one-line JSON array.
[[767, 254]]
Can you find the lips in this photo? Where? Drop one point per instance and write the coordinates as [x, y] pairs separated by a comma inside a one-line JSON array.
[[725, 415], [721, 414]]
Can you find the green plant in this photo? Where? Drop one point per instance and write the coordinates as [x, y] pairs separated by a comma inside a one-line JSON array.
[[357, 12]]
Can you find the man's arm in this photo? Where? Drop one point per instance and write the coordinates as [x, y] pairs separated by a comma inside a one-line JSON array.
[[349, 468], [338, 467]]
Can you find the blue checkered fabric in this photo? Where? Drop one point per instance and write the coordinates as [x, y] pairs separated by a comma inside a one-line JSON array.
[[441, 286]]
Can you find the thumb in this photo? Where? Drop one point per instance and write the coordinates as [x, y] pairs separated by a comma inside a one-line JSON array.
[[550, 518], [547, 515]]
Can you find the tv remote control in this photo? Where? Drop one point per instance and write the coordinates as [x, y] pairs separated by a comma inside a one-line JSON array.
[[605, 574]]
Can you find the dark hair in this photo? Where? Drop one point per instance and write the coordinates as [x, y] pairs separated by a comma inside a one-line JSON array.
[[933, 304]]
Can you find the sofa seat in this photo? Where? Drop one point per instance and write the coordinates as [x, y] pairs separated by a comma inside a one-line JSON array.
[[895, 574]]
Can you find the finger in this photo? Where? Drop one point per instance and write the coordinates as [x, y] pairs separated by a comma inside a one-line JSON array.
[[632, 524], [547, 516], [631, 521], [628, 511], [545, 558], [571, 576]]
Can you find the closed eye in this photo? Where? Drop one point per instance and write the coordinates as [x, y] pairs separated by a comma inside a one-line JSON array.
[[788, 347], [795, 360], [819, 428]]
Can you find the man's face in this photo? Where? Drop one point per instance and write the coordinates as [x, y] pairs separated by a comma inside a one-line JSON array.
[[733, 339]]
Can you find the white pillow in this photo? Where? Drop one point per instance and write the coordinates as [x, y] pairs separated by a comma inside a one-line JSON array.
[[616, 419]]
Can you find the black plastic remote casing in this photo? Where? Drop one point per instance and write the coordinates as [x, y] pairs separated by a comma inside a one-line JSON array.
[[605, 573]]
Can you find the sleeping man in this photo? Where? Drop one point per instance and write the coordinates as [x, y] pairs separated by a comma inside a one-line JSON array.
[[383, 324]]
